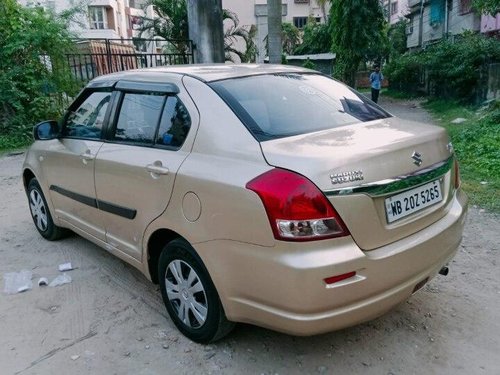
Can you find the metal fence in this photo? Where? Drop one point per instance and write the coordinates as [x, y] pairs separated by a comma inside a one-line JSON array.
[[95, 57]]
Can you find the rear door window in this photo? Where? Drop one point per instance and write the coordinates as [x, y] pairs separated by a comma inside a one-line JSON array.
[[138, 118], [150, 119]]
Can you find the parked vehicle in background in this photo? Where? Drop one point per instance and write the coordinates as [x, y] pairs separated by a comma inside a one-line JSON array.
[[269, 195]]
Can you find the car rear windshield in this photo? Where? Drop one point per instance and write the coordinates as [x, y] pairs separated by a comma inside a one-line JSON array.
[[281, 105]]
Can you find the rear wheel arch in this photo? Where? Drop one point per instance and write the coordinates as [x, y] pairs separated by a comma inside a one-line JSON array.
[[28, 175], [156, 243]]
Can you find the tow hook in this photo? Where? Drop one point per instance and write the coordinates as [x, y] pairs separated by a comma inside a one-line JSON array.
[[444, 271]]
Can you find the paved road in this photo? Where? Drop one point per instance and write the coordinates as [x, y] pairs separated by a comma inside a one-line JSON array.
[[111, 320]]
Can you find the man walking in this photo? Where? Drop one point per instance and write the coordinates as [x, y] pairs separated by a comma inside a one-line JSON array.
[[376, 82]]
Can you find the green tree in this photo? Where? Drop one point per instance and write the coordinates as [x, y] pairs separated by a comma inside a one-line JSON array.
[[290, 37], [33, 68], [172, 24], [234, 33], [317, 38], [356, 26], [491, 7]]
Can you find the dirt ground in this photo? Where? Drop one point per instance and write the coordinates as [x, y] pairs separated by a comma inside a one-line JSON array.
[[111, 320]]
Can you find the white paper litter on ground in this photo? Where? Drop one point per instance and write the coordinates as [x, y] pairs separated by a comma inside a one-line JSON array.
[[61, 280], [17, 282], [65, 267]]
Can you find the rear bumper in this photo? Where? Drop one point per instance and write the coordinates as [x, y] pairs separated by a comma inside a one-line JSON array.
[[282, 287]]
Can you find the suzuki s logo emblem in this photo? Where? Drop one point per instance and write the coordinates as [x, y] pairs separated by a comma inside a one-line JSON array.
[[417, 158]]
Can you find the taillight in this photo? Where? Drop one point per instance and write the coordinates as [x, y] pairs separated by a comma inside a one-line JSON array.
[[457, 174], [296, 208]]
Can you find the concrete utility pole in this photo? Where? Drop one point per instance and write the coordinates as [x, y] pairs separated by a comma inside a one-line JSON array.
[[274, 31], [206, 30]]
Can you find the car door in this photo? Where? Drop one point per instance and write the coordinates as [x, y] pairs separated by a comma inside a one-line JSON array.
[[69, 163], [136, 167]]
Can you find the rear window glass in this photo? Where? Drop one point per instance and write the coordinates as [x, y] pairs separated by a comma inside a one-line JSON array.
[[282, 105]]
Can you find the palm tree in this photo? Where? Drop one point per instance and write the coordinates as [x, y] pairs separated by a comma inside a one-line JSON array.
[[234, 33]]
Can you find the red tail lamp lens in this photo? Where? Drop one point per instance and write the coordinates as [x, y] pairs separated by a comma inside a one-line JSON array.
[[296, 208]]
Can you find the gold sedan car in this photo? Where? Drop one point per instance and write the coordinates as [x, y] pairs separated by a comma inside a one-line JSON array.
[[270, 195]]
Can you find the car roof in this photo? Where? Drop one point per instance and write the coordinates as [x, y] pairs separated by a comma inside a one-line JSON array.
[[203, 72]]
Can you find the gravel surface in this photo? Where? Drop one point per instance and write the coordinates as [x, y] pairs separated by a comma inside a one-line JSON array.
[[111, 320]]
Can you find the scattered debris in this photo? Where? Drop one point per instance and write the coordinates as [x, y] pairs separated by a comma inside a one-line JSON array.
[[484, 182], [458, 120], [61, 280], [75, 357], [17, 282], [165, 346], [43, 281], [147, 347], [65, 267], [209, 355]]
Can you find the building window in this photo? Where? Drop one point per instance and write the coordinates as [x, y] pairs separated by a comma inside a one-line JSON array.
[[394, 8], [464, 6], [98, 18], [299, 22], [437, 12]]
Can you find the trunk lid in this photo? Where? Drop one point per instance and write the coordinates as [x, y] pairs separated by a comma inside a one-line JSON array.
[[380, 151]]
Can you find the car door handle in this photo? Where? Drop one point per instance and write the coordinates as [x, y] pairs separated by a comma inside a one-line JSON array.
[[157, 168]]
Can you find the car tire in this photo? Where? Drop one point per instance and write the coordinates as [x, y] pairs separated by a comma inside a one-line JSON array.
[[41, 215], [190, 295]]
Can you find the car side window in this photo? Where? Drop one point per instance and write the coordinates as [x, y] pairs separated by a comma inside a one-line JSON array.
[[138, 118], [175, 123], [87, 120]]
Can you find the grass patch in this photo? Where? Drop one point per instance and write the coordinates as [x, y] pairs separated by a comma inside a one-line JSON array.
[[477, 145], [11, 143]]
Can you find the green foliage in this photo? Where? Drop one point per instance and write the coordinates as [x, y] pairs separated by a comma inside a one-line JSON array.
[[290, 37], [357, 31], [317, 38], [235, 33], [171, 23], [33, 72], [491, 7], [396, 35], [455, 70], [477, 145], [309, 64]]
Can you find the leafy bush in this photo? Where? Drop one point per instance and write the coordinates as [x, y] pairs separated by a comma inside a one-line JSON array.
[[454, 70], [317, 38], [477, 145], [33, 71]]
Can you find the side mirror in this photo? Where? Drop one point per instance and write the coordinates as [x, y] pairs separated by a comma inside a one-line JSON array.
[[46, 130]]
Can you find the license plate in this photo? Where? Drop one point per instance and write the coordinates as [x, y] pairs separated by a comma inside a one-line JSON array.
[[404, 204]]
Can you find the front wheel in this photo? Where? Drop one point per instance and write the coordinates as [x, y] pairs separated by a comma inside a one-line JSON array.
[[41, 214], [189, 294]]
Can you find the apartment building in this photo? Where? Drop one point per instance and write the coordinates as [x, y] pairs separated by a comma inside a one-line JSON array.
[[101, 19], [395, 10], [430, 20]]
